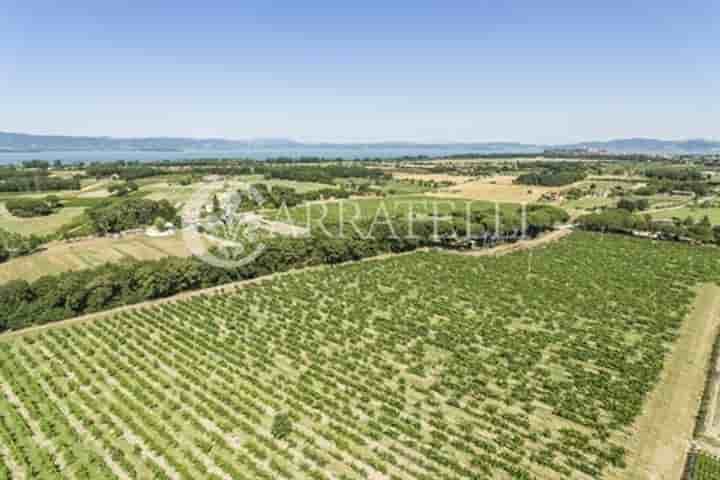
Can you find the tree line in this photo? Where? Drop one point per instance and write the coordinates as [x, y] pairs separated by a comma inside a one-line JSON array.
[[321, 174], [122, 171], [633, 204], [33, 207], [699, 188], [554, 177], [621, 220], [69, 294], [16, 245], [675, 173], [36, 182], [277, 196], [114, 216]]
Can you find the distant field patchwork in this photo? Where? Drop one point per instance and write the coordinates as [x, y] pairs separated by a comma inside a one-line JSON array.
[[499, 188], [38, 225]]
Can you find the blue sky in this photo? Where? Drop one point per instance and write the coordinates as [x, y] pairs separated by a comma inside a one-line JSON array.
[[531, 71]]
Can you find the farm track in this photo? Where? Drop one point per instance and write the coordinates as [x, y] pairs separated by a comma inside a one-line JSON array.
[[708, 439], [495, 251], [663, 434]]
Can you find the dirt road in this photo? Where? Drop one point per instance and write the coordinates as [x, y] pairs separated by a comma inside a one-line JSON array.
[[662, 435]]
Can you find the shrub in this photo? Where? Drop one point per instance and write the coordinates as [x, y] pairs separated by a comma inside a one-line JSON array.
[[28, 207], [281, 426]]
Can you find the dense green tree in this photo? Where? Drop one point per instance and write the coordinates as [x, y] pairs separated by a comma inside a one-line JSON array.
[[53, 201], [15, 245], [281, 426], [28, 207], [119, 215], [13, 180], [554, 176], [633, 205]]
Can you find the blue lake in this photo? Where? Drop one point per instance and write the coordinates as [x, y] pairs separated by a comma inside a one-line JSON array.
[[258, 153]]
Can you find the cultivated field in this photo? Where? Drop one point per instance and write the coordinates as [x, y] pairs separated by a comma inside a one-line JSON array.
[[300, 187], [695, 213], [173, 193], [706, 467], [475, 161], [433, 177], [179, 194], [499, 188], [589, 203], [62, 257], [38, 225], [655, 201], [668, 420], [421, 366]]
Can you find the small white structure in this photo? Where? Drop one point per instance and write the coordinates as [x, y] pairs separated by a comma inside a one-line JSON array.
[[645, 234], [167, 232], [213, 178]]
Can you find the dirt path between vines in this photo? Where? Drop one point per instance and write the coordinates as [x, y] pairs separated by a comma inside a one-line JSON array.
[[228, 287], [661, 437]]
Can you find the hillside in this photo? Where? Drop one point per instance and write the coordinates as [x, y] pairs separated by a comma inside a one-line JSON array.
[[22, 142]]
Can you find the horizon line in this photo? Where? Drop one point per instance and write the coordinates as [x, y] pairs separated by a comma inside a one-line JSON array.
[[361, 142]]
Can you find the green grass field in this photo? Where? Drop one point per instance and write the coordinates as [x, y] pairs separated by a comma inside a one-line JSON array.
[[38, 225], [173, 193], [179, 194], [420, 366], [300, 187], [389, 187], [589, 203], [695, 213], [596, 202], [331, 212]]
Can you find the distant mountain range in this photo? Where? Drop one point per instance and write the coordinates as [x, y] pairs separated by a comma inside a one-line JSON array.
[[21, 142], [28, 142], [652, 145]]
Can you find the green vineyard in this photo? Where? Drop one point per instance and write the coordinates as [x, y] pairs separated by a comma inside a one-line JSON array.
[[422, 366], [706, 467]]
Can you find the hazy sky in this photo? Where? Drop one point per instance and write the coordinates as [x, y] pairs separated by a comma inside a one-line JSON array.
[[531, 71]]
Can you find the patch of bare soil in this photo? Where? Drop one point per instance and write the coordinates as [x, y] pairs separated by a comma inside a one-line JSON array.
[[499, 188]]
